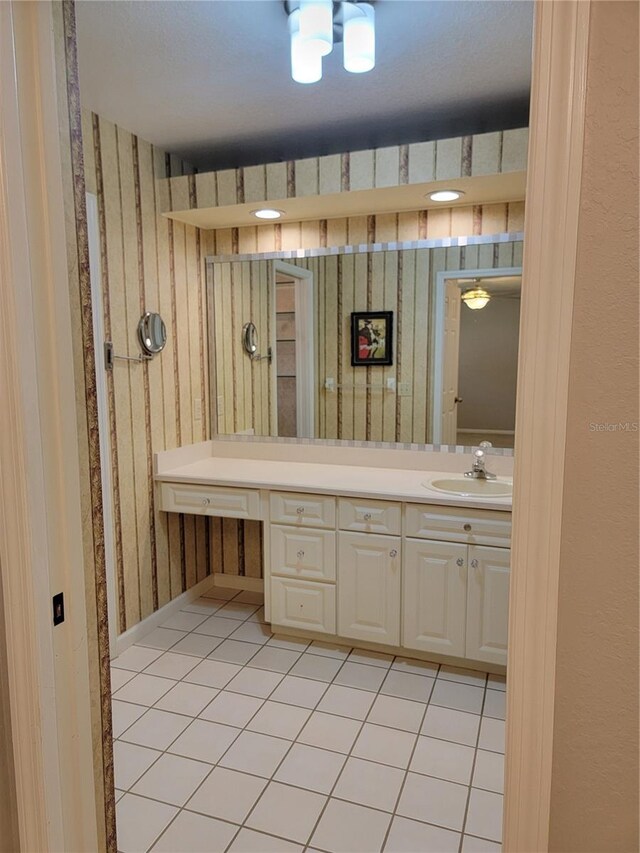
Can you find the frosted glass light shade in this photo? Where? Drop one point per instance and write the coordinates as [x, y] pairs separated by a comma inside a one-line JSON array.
[[359, 37], [316, 25], [476, 298], [306, 59]]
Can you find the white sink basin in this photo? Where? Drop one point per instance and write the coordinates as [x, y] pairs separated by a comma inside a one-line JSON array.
[[467, 487]]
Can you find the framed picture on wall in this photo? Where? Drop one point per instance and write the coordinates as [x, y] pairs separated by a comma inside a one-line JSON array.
[[371, 338]]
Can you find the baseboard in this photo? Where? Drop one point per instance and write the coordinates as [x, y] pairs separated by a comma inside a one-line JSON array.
[[137, 632], [238, 582]]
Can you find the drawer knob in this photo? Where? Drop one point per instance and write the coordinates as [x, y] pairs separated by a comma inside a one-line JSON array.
[[300, 554], [393, 553], [367, 516], [206, 501], [467, 527], [460, 561], [474, 564], [300, 510]]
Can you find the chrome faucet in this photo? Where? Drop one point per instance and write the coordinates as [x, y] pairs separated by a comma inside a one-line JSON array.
[[479, 471]]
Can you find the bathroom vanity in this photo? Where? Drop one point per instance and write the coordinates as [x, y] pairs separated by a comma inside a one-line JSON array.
[[362, 547]]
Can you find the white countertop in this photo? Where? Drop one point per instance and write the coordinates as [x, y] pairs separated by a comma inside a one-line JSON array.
[[313, 477]]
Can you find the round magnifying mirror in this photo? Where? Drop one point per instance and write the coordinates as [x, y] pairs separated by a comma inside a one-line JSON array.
[[152, 333], [250, 338]]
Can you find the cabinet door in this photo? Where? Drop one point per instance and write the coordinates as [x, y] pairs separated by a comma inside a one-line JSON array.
[[434, 596], [303, 604], [488, 604], [369, 587], [302, 553]]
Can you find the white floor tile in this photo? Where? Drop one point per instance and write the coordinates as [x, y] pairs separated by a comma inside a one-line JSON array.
[[119, 678], [443, 759], [255, 682], [256, 753], [329, 650], [233, 651], [183, 620], [227, 794], [497, 682], [433, 801], [130, 762], [212, 673], [371, 658], [222, 593], [276, 659], [460, 697], [198, 645], [140, 822], [484, 816], [415, 667], [119, 794], [361, 676], [194, 833], [136, 658], [446, 724], [346, 702], [488, 772], [285, 721], [287, 812], [369, 784], [411, 836], [258, 616], [479, 845], [189, 699], [124, 714], [144, 689], [299, 691], [172, 779], [238, 610], [170, 665], [330, 732], [310, 768], [249, 596], [252, 632], [214, 626], [232, 709], [463, 676], [206, 606], [292, 644], [204, 741], [397, 713], [317, 667], [156, 729], [162, 638], [346, 828], [250, 841], [495, 704], [491, 734], [407, 686], [386, 746]]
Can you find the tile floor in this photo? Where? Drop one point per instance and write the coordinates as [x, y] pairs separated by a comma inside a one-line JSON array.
[[231, 738]]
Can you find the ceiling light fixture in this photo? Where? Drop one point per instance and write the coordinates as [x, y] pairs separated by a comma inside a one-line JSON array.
[[476, 298], [446, 195], [268, 213], [316, 25]]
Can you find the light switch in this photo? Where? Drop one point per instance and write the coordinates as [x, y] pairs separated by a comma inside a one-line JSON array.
[[197, 409]]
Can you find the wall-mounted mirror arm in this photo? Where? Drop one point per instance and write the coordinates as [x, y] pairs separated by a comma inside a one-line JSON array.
[[110, 356]]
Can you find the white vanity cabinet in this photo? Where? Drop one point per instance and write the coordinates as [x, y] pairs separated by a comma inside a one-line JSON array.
[[488, 604]]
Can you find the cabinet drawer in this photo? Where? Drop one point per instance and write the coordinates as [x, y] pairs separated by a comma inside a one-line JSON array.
[[210, 500], [303, 510], [302, 553], [303, 604], [370, 516], [475, 527]]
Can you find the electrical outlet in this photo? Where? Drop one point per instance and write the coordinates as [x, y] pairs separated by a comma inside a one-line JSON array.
[[404, 389], [197, 409], [220, 406]]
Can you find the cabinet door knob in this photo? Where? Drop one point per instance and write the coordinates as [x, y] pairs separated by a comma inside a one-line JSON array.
[[300, 510], [300, 554], [393, 553], [460, 561], [474, 564], [367, 516], [467, 527], [206, 501]]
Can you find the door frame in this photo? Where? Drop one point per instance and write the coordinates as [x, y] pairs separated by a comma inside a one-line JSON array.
[[305, 350], [442, 277]]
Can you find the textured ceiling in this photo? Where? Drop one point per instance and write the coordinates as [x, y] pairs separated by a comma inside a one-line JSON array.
[[210, 80]]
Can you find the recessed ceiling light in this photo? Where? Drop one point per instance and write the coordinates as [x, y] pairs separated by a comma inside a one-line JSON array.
[[268, 213], [446, 195]]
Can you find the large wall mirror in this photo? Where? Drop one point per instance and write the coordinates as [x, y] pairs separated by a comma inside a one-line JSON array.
[[446, 318]]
